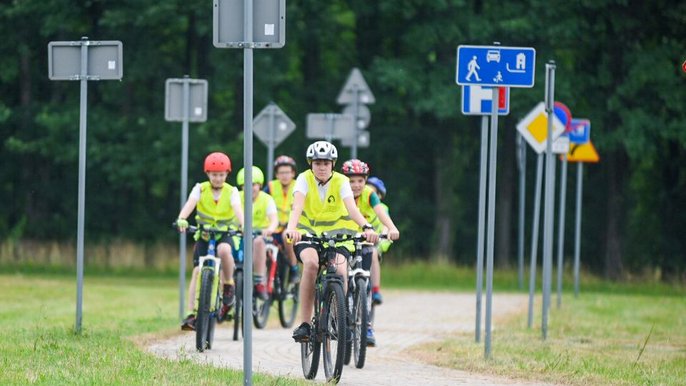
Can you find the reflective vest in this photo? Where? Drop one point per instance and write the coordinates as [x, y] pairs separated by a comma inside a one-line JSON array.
[[217, 214], [283, 200], [330, 215], [363, 202], [259, 210]]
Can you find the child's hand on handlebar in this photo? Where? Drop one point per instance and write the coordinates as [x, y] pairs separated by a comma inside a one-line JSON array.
[[291, 235], [393, 234], [182, 225], [371, 236]]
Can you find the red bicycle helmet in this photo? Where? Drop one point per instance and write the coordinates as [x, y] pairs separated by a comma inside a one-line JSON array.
[[355, 167], [217, 162], [284, 160]]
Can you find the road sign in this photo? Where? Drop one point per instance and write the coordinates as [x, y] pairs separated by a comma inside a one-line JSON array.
[[583, 153], [330, 126], [495, 66], [561, 144], [197, 98], [105, 60], [534, 128], [282, 127], [269, 24], [478, 100], [563, 114], [580, 132], [364, 116], [363, 140], [355, 88]]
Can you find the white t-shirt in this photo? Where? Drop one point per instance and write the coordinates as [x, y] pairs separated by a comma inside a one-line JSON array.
[[301, 186], [235, 198]]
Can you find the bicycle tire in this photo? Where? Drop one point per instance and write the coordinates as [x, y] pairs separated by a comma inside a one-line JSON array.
[[334, 337], [261, 308], [238, 305], [360, 316], [309, 356], [350, 313], [203, 316], [289, 296]]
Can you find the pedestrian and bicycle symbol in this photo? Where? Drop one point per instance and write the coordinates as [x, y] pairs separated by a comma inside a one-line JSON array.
[[495, 66]]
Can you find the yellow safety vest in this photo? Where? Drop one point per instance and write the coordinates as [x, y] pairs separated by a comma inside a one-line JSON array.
[[260, 220], [330, 215], [216, 214], [283, 199], [364, 204]]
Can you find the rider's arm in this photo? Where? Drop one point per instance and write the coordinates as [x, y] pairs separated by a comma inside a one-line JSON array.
[[237, 206], [296, 211], [389, 226], [273, 217], [193, 199], [356, 216]]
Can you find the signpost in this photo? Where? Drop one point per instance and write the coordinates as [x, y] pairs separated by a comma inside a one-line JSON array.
[[356, 94], [272, 126], [477, 100], [84, 60], [330, 126], [248, 24], [500, 67], [186, 101]]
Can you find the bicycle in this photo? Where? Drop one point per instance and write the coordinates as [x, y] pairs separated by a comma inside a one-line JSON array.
[[278, 288], [329, 325], [208, 296]]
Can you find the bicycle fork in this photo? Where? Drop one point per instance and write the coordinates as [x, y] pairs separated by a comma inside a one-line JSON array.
[[213, 263]]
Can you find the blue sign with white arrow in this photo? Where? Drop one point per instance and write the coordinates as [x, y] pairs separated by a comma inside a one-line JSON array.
[[495, 66], [580, 132]]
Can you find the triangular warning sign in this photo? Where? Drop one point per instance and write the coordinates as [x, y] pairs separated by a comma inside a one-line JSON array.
[[355, 88], [583, 153]]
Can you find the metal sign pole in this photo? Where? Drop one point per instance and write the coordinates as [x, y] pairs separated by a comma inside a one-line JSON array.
[[356, 110], [271, 145], [184, 192], [83, 126], [577, 231], [247, 189], [549, 197], [534, 238], [561, 229], [521, 151], [491, 219], [482, 218]]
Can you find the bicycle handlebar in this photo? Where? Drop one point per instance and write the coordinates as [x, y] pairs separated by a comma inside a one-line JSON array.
[[195, 228]]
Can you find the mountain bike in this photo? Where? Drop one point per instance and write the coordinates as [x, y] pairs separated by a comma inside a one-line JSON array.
[[238, 257], [208, 296], [279, 290], [329, 325]]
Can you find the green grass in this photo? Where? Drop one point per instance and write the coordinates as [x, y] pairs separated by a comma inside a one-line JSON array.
[[39, 345], [596, 339]]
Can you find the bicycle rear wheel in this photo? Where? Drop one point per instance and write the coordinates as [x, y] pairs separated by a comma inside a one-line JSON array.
[[203, 318], [334, 337], [360, 323], [288, 299], [309, 356], [238, 305], [349, 314], [260, 311]]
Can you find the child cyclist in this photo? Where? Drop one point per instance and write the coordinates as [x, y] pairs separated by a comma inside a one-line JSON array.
[[322, 202], [370, 206], [281, 189], [377, 185], [265, 220], [217, 205]]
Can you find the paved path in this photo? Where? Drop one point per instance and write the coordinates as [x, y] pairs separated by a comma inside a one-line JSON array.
[[405, 319]]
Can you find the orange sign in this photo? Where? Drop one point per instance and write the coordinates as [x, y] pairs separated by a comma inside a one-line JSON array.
[[583, 153]]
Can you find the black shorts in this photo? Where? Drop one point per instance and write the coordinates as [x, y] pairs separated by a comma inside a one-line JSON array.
[[301, 246], [202, 245]]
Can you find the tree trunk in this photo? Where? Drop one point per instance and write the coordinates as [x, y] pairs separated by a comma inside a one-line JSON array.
[[613, 239]]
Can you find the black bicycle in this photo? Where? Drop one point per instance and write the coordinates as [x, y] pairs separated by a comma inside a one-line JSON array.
[[329, 325], [208, 297]]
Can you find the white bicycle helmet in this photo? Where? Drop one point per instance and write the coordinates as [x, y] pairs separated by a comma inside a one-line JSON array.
[[321, 150]]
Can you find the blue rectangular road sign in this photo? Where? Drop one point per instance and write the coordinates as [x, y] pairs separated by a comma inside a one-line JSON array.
[[477, 100], [495, 66], [580, 132]]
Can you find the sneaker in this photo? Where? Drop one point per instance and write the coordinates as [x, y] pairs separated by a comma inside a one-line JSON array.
[[294, 275], [377, 299], [188, 324], [371, 340], [228, 299], [302, 333], [261, 291]]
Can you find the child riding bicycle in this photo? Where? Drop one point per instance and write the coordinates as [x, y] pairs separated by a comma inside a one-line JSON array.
[[265, 220], [217, 205], [323, 202], [281, 189], [378, 186]]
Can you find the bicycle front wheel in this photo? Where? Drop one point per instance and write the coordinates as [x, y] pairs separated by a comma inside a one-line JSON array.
[[309, 356], [335, 331], [203, 318], [360, 323]]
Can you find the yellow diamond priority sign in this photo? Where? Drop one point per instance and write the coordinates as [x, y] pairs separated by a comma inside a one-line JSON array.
[[534, 128]]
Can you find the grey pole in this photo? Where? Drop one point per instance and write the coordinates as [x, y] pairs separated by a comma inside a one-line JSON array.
[[521, 152], [356, 110], [247, 188], [272, 136], [534, 238], [331, 121], [184, 192], [561, 229], [549, 198], [577, 231], [482, 218], [81, 205], [491, 219]]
